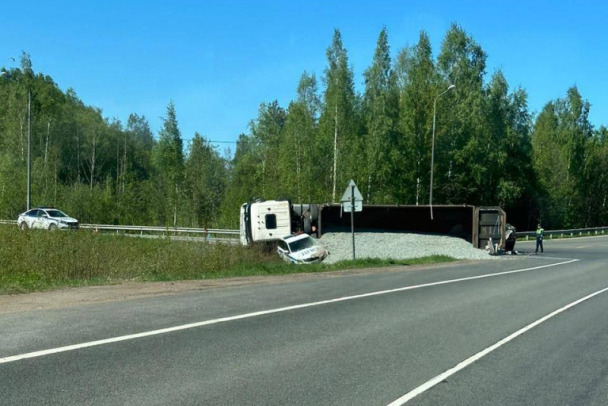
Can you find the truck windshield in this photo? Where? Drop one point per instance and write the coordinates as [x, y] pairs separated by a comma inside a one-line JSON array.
[[301, 244]]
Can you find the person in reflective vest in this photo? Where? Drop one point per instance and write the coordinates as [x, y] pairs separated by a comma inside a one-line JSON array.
[[539, 238]]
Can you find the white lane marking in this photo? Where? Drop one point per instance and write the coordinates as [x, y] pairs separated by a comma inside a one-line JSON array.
[[256, 314], [542, 256], [441, 377]]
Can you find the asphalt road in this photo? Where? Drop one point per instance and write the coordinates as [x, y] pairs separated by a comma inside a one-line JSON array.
[[527, 330]]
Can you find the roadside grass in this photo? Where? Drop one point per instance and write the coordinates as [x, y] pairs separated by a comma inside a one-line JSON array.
[[41, 260]]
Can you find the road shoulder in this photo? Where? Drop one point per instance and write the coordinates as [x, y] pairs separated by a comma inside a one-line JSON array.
[[70, 297]]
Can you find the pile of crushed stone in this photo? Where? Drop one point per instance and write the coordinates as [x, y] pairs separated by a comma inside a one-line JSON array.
[[398, 246]]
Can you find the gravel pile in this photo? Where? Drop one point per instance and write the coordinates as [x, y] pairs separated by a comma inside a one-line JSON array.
[[398, 246]]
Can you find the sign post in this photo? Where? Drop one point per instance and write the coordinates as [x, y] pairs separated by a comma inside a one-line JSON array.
[[352, 201]]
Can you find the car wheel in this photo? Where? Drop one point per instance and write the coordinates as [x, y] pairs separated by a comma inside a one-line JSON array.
[[23, 226], [52, 227]]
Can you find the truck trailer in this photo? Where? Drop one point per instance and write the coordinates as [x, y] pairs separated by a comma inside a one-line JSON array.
[[273, 219]]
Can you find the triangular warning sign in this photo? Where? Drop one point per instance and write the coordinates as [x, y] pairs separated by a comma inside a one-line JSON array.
[[348, 193]]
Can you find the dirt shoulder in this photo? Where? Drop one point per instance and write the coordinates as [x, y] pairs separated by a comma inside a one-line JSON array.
[[70, 297]]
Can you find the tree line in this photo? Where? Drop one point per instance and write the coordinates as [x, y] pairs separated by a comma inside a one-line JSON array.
[[100, 170], [489, 149]]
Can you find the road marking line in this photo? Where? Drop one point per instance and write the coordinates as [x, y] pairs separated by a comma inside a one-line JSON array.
[[542, 256], [441, 377], [41, 353]]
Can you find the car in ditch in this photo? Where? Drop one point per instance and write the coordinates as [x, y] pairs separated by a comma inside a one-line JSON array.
[[301, 249], [46, 218]]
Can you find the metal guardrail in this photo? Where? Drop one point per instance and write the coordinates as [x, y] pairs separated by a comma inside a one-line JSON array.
[[161, 230], [577, 232], [152, 230]]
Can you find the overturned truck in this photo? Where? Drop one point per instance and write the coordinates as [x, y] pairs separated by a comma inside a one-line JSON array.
[[270, 220], [273, 219]]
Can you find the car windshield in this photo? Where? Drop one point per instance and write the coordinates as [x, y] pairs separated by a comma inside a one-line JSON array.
[[301, 244], [56, 213]]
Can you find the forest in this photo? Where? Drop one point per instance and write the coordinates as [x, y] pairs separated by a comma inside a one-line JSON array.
[[489, 149]]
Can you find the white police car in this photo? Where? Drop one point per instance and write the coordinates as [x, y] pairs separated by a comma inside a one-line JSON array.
[[46, 218], [301, 249]]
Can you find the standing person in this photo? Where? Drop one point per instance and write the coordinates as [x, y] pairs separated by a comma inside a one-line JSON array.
[[539, 238]]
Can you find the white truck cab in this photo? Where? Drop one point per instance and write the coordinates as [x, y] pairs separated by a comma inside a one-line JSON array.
[[271, 220], [265, 221]]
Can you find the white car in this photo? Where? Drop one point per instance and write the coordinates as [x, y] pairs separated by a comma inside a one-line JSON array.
[[301, 249], [47, 219]]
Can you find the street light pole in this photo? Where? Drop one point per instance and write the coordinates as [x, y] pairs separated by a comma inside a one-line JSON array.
[[433, 146]]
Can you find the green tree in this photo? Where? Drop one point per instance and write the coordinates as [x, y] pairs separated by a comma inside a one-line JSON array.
[[266, 131], [206, 182], [513, 180], [12, 186], [170, 163], [138, 147], [594, 182], [13, 141], [245, 183], [508, 149], [461, 138], [94, 147], [381, 107], [297, 151], [337, 141], [560, 157], [417, 80]]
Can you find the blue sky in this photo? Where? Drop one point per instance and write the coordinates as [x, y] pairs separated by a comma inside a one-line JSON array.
[[219, 60]]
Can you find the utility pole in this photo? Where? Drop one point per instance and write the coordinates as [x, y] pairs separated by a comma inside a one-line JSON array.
[[29, 148]]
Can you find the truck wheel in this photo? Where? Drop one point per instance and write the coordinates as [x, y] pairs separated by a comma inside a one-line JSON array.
[[23, 226], [52, 227]]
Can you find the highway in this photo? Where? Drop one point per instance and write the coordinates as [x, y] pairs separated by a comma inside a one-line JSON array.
[[530, 330]]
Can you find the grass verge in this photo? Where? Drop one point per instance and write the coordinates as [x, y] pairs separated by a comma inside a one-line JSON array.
[[41, 260]]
